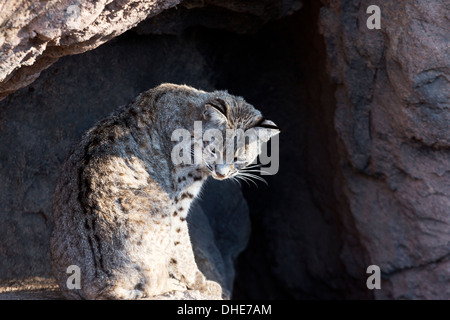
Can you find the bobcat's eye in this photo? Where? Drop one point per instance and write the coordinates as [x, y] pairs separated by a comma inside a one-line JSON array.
[[239, 160]]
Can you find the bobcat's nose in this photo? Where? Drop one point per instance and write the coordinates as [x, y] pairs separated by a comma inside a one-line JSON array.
[[221, 176], [222, 171]]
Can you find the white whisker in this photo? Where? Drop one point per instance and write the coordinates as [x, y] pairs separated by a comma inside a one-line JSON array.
[[249, 175], [236, 180], [257, 171], [253, 166], [244, 179], [247, 178]]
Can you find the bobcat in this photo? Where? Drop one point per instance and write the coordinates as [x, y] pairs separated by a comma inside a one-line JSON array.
[[121, 202]]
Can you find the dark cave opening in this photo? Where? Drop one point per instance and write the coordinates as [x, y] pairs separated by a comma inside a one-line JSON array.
[[295, 245], [281, 70], [295, 248]]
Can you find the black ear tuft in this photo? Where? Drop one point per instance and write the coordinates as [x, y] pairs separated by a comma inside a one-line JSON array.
[[265, 129], [219, 105], [264, 123]]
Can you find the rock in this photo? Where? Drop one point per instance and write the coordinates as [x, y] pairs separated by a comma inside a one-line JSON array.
[[392, 120], [237, 16], [35, 34], [33, 288]]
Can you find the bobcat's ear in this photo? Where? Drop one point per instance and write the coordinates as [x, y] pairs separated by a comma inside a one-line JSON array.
[[266, 129], [216, 110]]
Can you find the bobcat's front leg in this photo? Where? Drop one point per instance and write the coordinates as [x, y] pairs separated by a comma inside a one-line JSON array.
[[185, 267]]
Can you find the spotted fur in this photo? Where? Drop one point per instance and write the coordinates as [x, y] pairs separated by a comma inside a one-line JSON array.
[[120, 204]]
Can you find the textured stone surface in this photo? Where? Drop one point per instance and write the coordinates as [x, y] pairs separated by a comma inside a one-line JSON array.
[[393, 123], [237, 16], [33, 288], [34, 34]]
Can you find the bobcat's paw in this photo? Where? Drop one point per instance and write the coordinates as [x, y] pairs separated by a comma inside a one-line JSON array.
[[124, 294], [208, 287], [213, 289]]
